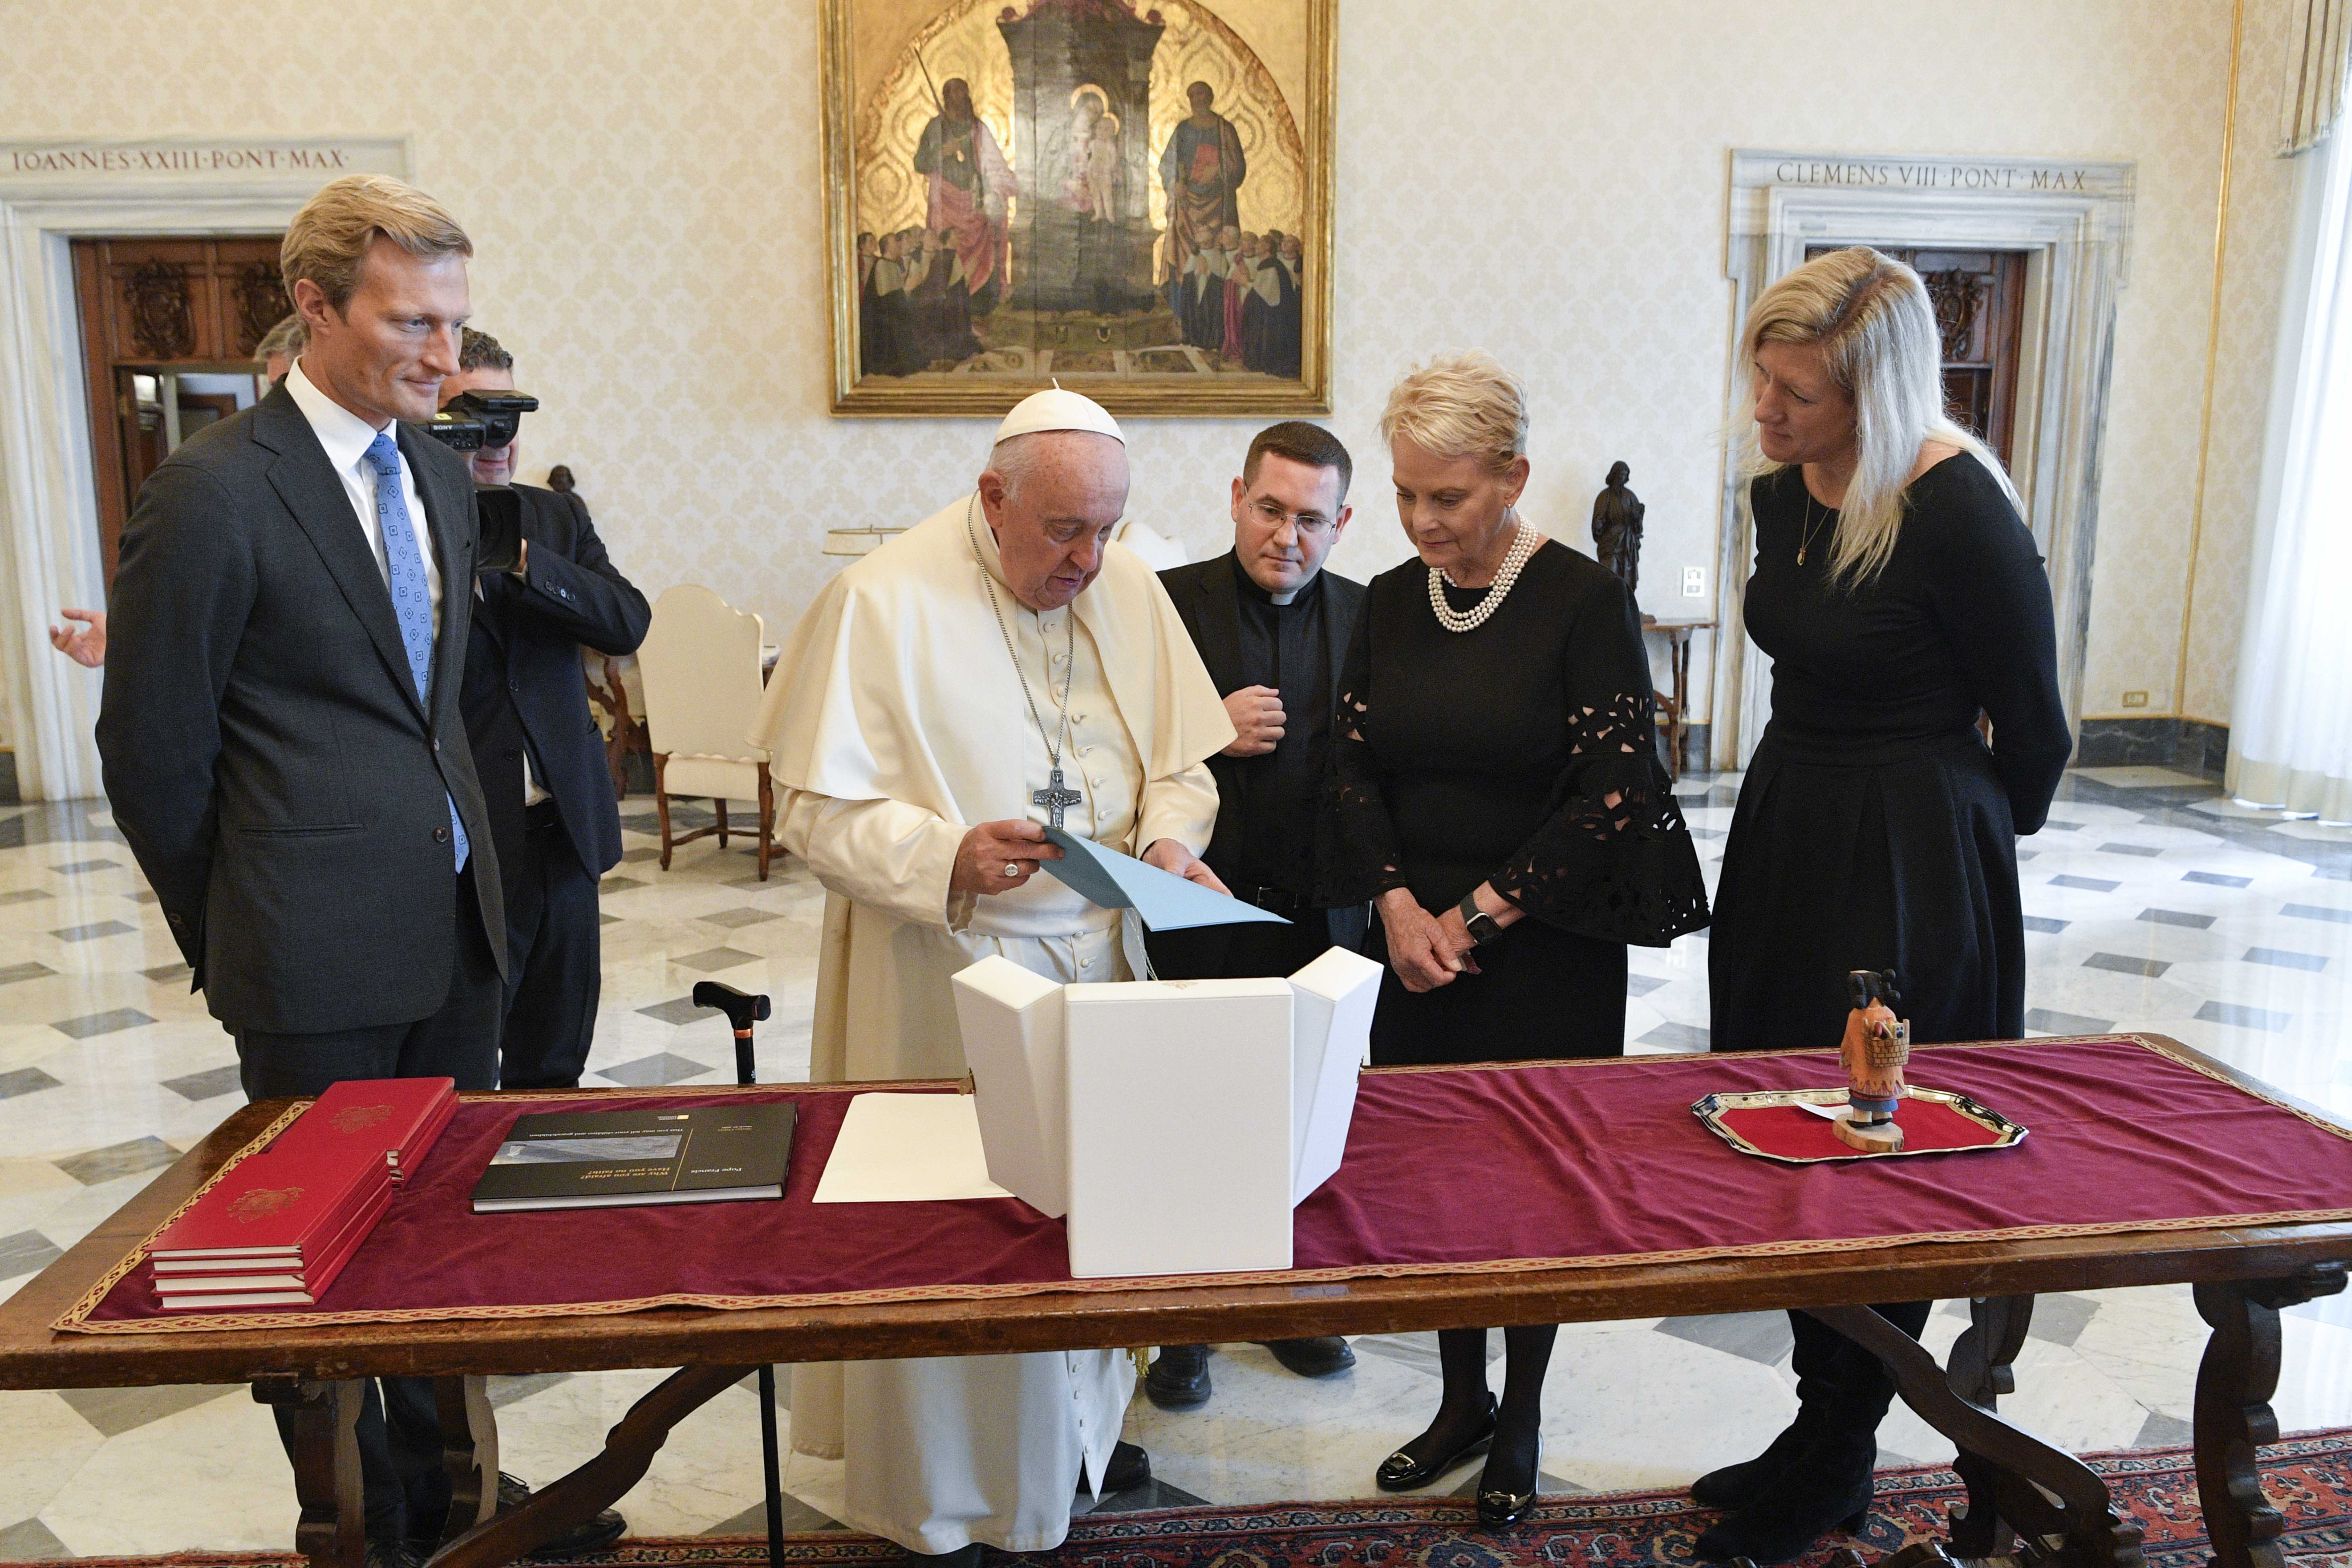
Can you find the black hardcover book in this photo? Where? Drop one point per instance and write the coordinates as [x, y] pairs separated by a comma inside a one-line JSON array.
[[609, 1159]]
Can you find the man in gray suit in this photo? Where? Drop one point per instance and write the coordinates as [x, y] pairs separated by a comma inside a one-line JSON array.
[[281, 734]]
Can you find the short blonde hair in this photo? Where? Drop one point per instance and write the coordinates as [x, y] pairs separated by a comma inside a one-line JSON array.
[[329, 237], [1871, 318], [1461, 406]]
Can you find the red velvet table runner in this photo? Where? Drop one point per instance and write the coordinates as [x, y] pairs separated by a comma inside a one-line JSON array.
[[1501, 1168]]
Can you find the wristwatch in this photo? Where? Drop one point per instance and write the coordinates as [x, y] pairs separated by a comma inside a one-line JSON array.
[[1483, 927]]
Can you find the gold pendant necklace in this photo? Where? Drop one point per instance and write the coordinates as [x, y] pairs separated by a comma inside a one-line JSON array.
[[1806, 542]]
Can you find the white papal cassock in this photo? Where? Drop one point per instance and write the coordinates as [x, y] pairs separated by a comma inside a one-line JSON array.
[[895, 723]]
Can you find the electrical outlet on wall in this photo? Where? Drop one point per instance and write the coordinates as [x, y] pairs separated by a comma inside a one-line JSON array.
[[1694, 581], [2134, 699]]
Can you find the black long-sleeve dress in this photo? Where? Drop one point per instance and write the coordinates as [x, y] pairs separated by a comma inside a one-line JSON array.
[[1488, 756], [1875, 828]]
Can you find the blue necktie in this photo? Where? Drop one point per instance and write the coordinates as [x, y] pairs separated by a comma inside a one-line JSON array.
[[411, 599]]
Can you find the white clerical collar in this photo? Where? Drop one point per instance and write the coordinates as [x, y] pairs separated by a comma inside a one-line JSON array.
[[983, 539], [344, 435]]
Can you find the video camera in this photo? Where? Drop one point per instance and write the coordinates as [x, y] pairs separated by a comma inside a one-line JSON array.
[[473, 420], [467, 423]]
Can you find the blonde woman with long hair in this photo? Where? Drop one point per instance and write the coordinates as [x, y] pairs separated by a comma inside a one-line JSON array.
[[1898, 593]]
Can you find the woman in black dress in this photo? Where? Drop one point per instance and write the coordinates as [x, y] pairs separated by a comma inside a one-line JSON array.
[[1496, 791], [1899, 595]]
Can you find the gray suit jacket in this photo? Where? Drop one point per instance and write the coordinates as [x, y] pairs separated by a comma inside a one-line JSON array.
[[265, 753]]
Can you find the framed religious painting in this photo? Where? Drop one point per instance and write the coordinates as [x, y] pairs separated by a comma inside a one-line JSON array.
[[1130, 198]]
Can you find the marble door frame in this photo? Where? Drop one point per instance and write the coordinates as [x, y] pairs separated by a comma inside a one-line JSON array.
[[52, 193], [2073, 221]]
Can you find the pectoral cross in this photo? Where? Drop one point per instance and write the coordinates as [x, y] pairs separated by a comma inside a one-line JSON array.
[[1055, 798]]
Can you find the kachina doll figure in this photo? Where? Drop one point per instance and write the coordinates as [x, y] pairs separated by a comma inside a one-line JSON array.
[[1877, 1046]]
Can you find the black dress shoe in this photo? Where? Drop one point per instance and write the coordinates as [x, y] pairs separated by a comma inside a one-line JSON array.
[[1744, 1484], [1402, 1472], [593, 1535], [1128, 1468], [1318, 1357], [1178, 1378], [1500, 1508], [394, 1554], [1827, 1486]]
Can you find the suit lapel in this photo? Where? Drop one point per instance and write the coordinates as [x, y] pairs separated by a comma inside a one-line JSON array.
[[1221, 626], [322, 508]]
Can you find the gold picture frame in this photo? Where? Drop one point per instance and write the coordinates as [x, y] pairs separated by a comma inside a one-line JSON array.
[[968, 208]]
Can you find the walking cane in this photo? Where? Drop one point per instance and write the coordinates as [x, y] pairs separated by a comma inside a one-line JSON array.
[[743, 1012]]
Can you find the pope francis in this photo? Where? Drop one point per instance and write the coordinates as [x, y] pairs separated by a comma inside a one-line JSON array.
[[998, 667]]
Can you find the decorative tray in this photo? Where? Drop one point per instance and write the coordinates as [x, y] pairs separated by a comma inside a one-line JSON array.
[[1770, 1124]]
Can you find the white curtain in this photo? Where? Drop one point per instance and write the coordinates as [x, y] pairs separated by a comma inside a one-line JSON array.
[[2291, 724], [2312, 98]]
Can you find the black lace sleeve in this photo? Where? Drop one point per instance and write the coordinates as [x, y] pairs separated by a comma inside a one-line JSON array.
[[1356, 856], [1614, 860]]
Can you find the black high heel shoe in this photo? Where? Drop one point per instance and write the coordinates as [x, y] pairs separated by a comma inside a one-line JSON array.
[[1400, 1472], [1499, 1508]]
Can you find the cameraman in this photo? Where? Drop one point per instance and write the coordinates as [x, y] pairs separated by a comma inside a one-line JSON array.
[[539, 754]]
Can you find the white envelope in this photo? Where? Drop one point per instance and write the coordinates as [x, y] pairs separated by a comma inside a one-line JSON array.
[[907, 1148]]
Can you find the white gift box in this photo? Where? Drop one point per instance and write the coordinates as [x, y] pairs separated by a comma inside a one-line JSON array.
[[1175, 1124]]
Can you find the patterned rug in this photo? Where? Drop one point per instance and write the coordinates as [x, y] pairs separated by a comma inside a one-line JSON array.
[[2309, 1479]]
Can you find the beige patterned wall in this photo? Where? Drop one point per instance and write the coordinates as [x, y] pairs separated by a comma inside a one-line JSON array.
[[1540, 177]]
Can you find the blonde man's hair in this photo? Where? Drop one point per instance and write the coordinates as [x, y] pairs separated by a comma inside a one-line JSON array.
[[1461, 406], [329, 237], [1870, 316]]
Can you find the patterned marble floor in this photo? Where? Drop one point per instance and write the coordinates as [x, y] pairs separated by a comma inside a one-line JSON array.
[[2152, 902]]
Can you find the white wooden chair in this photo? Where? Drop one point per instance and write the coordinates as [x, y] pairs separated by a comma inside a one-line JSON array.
[[700, 668]]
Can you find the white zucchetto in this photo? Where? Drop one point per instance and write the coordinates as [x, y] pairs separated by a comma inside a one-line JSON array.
[[1055, 409]]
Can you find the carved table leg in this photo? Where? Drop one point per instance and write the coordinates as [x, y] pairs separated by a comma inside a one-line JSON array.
[[469, 1452], [1980, 1373], [2042, 1491], [629, 1448], [2234, 1384], [321, 1420]]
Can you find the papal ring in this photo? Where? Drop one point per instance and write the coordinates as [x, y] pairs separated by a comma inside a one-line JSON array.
[[1012, 870]]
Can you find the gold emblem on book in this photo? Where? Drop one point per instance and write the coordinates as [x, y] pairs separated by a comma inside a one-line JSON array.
[[358, 1117], [263, 1202]]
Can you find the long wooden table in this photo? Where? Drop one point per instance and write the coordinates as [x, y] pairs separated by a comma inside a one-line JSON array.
[[2243, 1277]]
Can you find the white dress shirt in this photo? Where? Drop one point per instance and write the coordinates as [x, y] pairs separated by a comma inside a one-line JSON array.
[[347, 438]]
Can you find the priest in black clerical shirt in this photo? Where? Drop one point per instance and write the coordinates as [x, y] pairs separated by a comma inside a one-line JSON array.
[[1272, 627]]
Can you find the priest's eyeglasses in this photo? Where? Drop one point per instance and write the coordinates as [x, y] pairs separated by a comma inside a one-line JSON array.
[[1311, 523]]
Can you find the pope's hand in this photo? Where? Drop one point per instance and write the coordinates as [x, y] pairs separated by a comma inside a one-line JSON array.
[[1256, 714], [998, 857], [1172, 857]]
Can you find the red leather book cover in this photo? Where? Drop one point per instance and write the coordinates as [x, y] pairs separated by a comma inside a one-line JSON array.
[[411, 1154], [386, 1116], [284, 1203], [246, 1274], [313, 1281]]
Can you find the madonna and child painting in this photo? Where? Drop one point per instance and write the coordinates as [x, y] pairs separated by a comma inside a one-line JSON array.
[[1127, 196]]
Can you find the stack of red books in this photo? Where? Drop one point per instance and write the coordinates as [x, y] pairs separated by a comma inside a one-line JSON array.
[[279, 1227]]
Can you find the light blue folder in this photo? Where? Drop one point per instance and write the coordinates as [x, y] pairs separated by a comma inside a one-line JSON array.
[[1164, 902]]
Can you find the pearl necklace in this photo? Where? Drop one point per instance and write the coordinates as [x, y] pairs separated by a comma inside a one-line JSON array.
[[1524, 543]]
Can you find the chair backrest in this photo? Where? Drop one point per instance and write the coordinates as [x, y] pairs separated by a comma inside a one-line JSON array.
[[700, 667]]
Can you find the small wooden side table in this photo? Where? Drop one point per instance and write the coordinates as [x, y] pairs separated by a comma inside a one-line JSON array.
[[1674, 710]]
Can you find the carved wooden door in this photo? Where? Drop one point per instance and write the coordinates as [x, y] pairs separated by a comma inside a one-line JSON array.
[[1980, 300], [168, 332]]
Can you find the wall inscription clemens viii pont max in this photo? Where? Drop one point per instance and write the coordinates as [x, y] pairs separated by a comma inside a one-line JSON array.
[[1127, 196]]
